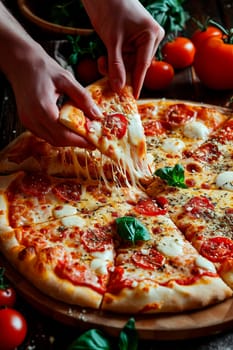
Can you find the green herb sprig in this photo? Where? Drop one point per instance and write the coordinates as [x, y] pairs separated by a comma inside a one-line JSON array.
[[170, 14], [131, 229], [174, 176], [95, 339]]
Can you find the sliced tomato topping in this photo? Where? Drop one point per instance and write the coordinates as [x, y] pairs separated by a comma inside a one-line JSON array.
[[178, 114], [79, 275], [208, 153], [225, 134], [68, 191], [149, 207], [115, 125], [96, 239], [35, 184], [199, 206], [147, 111], [151, 261], [229, 211], [99, 192], [162, 201], [118, 282], [154, 127], [217, 249]]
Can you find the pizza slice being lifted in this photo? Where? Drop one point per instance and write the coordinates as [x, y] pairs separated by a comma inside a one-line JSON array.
[[119, 134]]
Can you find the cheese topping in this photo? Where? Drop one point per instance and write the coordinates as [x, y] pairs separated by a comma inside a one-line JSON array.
[[171, 246], [225, 180], [135, 130], [196, 130], [205, 264], [65, 210], [73, 221], [173, 145]]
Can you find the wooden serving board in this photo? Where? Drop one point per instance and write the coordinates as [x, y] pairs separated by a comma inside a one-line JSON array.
[[208, 321]]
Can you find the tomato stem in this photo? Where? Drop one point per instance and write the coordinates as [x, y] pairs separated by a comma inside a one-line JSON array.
[[3, 284], [200, 25]]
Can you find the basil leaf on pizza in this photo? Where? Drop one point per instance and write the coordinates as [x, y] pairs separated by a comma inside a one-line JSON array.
[[174, 176], [131, 229]]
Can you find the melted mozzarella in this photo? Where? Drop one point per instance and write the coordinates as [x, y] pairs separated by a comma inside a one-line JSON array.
[[98, 266], [173, 145], [101, 261], [225, 180], [104, 255], [171, 246], [135, 130], [73, 221], [205, 264], [64, 210], [196, 130]]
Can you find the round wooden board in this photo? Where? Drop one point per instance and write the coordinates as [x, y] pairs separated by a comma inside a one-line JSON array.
[[187, 325], [27, 8]]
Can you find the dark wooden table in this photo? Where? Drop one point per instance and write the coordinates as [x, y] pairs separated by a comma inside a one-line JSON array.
[[44, 333]]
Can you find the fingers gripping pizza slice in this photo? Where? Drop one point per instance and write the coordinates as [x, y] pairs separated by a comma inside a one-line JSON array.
[[119, 134]]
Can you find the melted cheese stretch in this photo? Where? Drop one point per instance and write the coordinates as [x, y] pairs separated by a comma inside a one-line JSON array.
[[94, 165], [128, 154]]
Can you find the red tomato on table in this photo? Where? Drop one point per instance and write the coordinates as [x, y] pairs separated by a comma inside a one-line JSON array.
[[87, 71], [213, 64], [179, 52], [159, 75], [7, 297], [200, 35], [13, 329]]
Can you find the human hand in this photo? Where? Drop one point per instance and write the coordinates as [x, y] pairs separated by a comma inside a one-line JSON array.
[[131, 37], [38, 81]]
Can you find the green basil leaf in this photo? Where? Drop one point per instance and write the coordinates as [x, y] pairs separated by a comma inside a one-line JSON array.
[[170, 14], [93, 339], [131, 229], [128, 338], [174, 176]]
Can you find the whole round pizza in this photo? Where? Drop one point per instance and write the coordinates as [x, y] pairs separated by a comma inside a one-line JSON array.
[[143, 224]]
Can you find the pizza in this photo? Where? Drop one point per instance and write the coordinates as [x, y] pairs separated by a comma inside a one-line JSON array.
[[206, 219], [119, 134], [111, 250], [150, 235]]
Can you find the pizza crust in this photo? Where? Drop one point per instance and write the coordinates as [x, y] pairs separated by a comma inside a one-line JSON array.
[[149, 297], [44, 278]]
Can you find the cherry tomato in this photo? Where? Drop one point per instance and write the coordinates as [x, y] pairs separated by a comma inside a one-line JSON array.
[[7, 297], [178, 114], [200, 35], [217, 249], [87, 71], [36, 184], [69, 191], [115, 125], [13, 328], [150, 261], [213, 64], [159, 75], [199, 206], [149, 207], [179, 52], [208, 153], [96, 239]]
